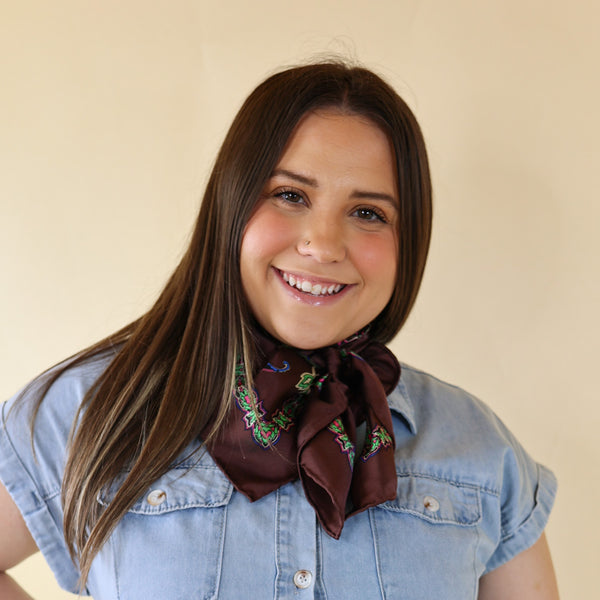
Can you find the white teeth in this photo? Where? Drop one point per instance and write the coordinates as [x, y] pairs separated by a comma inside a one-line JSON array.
[[307, 287]]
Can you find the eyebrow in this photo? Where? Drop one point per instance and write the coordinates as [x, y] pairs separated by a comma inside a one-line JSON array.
[[356, 194], [296, 176]]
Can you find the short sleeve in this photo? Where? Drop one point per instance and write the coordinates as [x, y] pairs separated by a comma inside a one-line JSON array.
[[32, 470], [527, 494]]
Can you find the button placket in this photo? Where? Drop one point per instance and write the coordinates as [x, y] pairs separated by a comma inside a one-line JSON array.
[[296, 539]]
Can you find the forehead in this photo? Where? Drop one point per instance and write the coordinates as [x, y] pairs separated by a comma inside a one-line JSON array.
[[325, 121], [328, 139]]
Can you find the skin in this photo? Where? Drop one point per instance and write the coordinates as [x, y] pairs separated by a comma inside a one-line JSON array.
[[334, 186], [528, 576], [16, 544]]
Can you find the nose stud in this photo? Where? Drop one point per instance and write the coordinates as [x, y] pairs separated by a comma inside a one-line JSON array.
[[307, 242]]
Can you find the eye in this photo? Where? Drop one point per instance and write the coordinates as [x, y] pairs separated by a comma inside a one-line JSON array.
[[289, 196], [370, 214]]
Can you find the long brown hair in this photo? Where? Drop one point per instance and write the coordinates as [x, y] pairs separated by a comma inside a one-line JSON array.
[[171, 372]]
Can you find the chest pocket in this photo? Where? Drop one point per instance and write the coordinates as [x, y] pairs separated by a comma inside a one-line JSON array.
[[436, 501], [170, 542], [429, 534]]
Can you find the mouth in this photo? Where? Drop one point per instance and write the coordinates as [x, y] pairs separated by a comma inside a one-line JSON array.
[[314, 288]]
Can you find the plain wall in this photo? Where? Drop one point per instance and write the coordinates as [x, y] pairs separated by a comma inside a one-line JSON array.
[[111, 113]]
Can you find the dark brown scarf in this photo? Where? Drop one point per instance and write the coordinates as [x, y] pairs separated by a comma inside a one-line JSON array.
[[301, 420]]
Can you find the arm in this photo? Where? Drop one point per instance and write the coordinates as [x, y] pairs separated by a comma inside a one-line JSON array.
[[528, 576], [10, 589], [16, 544]]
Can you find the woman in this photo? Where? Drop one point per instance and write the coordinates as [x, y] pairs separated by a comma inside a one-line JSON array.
[[250, 436]]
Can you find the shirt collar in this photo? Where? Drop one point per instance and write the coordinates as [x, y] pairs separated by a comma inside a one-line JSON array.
[[400, 403]]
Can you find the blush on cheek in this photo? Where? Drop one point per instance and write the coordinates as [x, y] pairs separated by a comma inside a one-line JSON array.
[[377, 256], [266, 233]]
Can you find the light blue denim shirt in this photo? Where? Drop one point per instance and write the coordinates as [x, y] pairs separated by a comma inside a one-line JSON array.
[[469, 499]]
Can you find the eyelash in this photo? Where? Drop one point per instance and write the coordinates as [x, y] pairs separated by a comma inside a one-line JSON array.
[[375, 213]]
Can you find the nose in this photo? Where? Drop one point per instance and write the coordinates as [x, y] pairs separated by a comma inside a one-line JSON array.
[[323, 240]]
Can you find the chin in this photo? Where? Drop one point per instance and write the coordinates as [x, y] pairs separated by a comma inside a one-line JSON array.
[[305, 343], [311, 341]]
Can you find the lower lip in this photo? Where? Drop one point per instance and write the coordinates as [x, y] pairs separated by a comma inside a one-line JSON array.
[[309, 298]]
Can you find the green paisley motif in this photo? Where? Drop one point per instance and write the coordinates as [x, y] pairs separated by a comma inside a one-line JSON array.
[[306, 380], [341, 437], [266, 432], [378, 438]]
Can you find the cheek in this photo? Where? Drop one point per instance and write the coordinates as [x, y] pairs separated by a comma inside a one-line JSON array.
[[377, 260], [265, 236]]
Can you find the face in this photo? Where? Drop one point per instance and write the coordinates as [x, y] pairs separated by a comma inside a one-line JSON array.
[[319, 253]]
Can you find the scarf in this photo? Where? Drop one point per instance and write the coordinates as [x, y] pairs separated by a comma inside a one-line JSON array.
[[301, 419]]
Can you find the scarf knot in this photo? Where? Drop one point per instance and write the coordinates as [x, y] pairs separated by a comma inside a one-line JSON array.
[[321, 416]]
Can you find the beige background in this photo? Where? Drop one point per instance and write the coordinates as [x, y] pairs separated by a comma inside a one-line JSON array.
[[111, 112]]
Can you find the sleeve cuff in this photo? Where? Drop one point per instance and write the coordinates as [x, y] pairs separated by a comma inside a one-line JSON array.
[[532, 528], [46, 532]]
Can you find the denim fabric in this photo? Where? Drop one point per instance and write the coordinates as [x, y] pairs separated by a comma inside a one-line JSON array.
[[469, 499]]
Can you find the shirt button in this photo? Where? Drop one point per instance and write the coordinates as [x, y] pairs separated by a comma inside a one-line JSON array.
[[156, 497], [430, 503], [302, 579]]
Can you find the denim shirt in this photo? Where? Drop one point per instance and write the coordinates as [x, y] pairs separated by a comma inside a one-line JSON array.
[[469, 498]]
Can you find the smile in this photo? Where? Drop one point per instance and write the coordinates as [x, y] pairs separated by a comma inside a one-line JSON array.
[[315, 289]]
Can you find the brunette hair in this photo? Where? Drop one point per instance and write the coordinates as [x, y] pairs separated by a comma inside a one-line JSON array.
[[171, 372]]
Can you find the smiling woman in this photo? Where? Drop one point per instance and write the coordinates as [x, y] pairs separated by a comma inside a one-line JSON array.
[[260, 439]]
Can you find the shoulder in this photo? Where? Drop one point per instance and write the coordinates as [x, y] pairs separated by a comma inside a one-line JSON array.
[[53, 418], [428, 393], [63, 387], [446, 408], [463, 435], [447, 415]]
